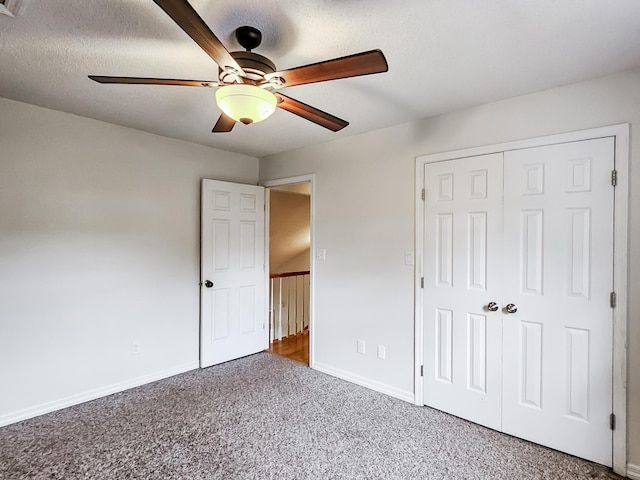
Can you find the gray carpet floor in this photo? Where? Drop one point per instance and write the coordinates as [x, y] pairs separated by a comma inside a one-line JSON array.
[[266, 417]]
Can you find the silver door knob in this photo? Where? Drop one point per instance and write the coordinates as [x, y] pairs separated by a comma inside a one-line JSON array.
[[208, 283], [511, 308], [492, 307]]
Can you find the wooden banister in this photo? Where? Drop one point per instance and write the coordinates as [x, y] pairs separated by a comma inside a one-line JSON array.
[[288, 274]]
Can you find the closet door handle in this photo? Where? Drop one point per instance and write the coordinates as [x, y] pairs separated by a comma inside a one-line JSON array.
[[208, 283], [511, 308], [492, 307]]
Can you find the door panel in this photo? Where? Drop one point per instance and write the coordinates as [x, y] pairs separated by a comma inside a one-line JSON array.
[[463, 340], [558, 214], [233, 322]]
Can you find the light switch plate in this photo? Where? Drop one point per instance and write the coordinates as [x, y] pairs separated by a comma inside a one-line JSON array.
[[408, 258], [321, 254]]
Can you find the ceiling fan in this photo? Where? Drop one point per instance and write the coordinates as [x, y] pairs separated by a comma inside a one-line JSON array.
[[248, 83]]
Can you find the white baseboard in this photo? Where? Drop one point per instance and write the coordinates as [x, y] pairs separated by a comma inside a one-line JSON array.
[[633, 471], [365, 382], [48, 407]]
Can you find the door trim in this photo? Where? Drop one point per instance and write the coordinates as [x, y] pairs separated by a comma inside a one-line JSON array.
[[620, 248], [311, 178]]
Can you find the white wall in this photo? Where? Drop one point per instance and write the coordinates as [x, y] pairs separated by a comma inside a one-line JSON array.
[[365, 221], [99, 248]]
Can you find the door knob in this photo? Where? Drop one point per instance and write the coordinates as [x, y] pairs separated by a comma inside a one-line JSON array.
[[492, 307], [208, 283], [511, 308]]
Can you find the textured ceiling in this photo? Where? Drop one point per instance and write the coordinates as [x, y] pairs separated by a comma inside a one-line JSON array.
[[443, 55]]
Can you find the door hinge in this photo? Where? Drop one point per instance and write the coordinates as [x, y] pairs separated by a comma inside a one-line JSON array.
[[422, 282], [614, 177], [422, 370], [612, 421], [612, 299], [423, 194]]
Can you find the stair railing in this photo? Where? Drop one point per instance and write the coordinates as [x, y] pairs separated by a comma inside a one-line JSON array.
[[288, 304]]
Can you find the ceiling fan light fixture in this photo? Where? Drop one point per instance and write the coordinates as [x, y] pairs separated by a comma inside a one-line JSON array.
[[246, 103]]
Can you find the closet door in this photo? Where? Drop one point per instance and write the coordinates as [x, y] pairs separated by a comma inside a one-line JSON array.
[[558, 274], [462, 275]]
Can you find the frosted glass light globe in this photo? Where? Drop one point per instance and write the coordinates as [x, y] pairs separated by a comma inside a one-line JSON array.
[[246, 103]]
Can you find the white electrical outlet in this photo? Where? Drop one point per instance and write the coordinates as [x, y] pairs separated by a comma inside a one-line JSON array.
[[382, 352], [135, 348], [361, 347]]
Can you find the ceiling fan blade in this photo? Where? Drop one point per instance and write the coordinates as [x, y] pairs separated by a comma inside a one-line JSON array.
[[310, 113], [224, 124], [188, 19], [364, 63], [153, 81]]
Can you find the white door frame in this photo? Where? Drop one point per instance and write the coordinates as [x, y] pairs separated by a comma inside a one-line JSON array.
[[311, 178], [620, 247]]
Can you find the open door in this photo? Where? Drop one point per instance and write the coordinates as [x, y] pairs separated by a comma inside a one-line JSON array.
[[232, 301]]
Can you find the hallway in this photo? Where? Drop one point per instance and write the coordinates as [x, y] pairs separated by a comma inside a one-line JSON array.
[[294, 347]]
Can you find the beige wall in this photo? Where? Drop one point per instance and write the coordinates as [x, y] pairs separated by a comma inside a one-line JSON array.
[[288, 232], [364, 204], [99, 248]]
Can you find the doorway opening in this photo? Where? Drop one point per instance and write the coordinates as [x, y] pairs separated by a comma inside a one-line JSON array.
[[289, 252]]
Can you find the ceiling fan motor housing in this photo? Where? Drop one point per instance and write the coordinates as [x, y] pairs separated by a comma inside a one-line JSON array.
[[255, 66]]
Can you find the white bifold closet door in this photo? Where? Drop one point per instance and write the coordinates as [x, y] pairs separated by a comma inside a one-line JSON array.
[[532, 231]]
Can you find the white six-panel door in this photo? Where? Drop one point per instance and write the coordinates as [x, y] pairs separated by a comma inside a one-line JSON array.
[[462, 275], [233, 313], [558, 257], [545, 249]]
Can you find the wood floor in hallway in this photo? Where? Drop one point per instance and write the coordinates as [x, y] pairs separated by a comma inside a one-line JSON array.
[[294, 347]]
